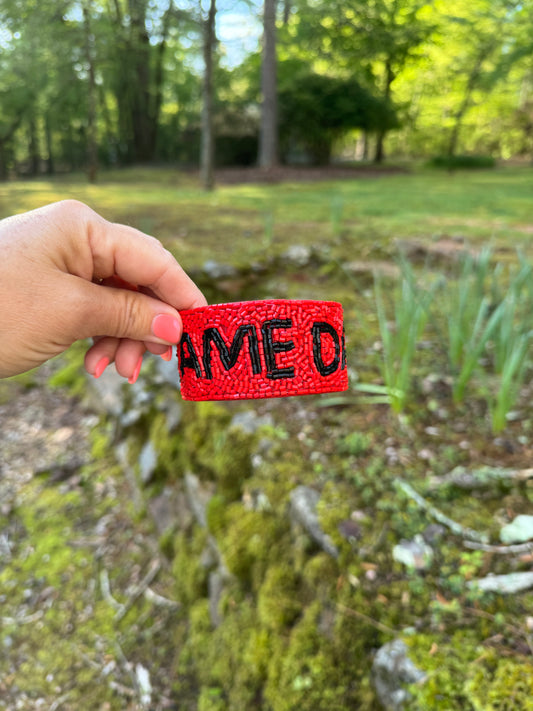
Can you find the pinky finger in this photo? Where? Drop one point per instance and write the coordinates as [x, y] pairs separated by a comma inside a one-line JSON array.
[[100, 355], [129, 358]]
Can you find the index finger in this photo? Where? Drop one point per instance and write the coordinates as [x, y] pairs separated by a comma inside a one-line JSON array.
[[140, 259]]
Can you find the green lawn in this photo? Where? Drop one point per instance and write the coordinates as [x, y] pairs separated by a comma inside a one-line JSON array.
[[239, 222]]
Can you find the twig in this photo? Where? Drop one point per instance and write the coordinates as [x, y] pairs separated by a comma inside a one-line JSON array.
[[139, 589], [467, 533], [514, 549], [106, 591], [361, 616], [24, 620], [57, 703], [157, 599]]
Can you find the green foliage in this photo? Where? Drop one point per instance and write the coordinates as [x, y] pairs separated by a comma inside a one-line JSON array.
[[316, 109], [462, 675], [355, 444], [399, 338], [499, 684]]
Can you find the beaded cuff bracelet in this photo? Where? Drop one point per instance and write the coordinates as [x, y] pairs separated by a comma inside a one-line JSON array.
[[259, 349]]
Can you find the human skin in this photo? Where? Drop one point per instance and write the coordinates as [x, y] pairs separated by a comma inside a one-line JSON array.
[[67, 274]]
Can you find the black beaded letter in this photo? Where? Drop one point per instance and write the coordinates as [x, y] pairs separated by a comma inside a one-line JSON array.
[[228, 356], [272, 347], [320, 327], [190, 360]]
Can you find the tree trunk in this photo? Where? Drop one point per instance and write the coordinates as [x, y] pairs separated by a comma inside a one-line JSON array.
[[35, 158], [287, 6], [139, 88], [92, 145], [268, 139], [139, 80], [207, 149], [50, 163], [379, 155]]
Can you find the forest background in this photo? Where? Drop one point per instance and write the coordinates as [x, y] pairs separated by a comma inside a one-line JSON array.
[[89, 83]]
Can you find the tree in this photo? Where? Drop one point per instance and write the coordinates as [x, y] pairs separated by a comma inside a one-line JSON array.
[[316, 110], [268, 136], [92, 141], [369, 40], [207, 157], [137, 73]]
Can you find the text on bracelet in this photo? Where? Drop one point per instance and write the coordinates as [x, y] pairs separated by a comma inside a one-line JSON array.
[[269, 349]]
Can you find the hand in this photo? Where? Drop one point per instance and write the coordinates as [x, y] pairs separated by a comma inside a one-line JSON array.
[[61, 272]]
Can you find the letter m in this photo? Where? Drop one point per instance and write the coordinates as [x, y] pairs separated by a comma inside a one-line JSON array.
[[229, 355]]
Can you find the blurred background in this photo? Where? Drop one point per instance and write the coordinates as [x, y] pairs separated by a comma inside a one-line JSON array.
[[370, 550], [112, 83]]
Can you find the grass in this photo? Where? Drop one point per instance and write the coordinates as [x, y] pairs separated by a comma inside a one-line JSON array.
[[229, 224]]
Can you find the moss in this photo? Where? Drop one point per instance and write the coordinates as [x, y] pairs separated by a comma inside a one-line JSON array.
[[215, 450], [461, 674], [278, 603], [48, 578], [189, 574], [319, 576], [249, 541], [211, 699], [231, 658], [70, 373], [499, 684], [308, 673], [445, 661], [169, 448]]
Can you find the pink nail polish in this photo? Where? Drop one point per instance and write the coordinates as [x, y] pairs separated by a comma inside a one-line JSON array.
[[166, 327], [101, 366], [167, 355], [133, 378]]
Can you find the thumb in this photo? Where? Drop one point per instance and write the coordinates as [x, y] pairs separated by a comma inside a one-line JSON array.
[[122, 313]]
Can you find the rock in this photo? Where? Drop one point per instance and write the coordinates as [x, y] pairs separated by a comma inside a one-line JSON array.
[[166, 371], [415, 554], [199, 494], [298, 255], [392, 670], [215, 584], [518, 531], [215, 270], [433, 533], [173, 412], [350, 530], [249, 421], [304, 501], [441, 251], [504, 584], [147, 462], [108, 390], [170, 508]]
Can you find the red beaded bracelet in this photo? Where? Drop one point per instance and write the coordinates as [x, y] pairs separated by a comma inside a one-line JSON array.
[[259, 349]]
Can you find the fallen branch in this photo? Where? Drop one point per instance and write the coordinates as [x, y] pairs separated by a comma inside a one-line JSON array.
[[483, 477], [157, 599], [515, 549], [139, 589], [454, 526], [105, 587]]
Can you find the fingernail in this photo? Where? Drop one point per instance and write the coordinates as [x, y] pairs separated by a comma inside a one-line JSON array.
[[133, 379], [166, 327], [101, 366], [167, 355]]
